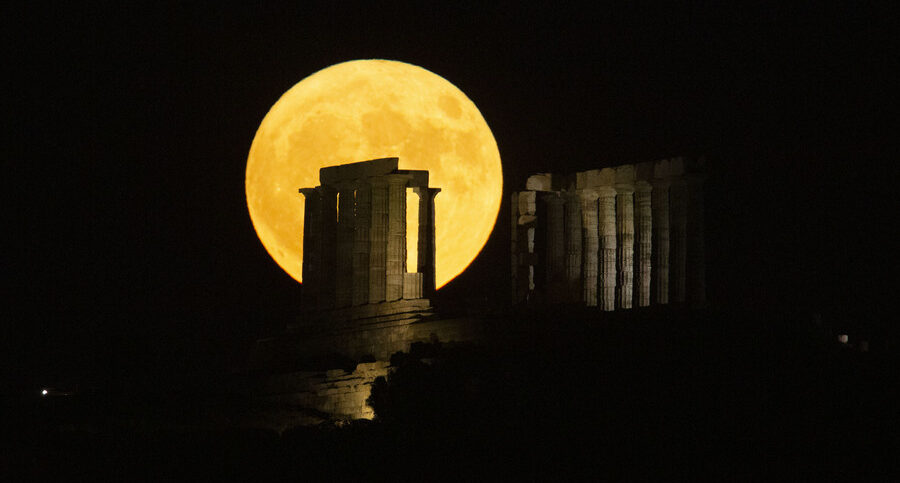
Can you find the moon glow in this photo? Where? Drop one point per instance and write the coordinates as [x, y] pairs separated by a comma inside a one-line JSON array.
[[367, 109]]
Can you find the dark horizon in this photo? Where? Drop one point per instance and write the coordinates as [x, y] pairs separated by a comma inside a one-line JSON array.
[[128, 246]]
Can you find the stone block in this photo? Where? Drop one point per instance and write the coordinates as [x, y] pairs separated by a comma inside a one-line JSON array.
[[353, 171], [595, 178], [625, 174], [540, 182], [527, 203]]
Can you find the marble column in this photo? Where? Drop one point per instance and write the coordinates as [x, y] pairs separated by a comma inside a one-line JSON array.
[[396, 242], [677, 239], [572, 207], [590, 245], [378, 236], [426, 244], [696, 255], [361, 228], [555, 243], [607, 247], [344, 245], [659, 201], [643, 242], [329, 238], [625, 245], [312, 245]]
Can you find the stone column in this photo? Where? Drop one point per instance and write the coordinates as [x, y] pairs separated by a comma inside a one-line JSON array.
[[590, 245], [677, 239], [643, 242], [625, 245], [344, 246], [329, 238], [396, 242], [607, 252], [378, 236], [696, 255], [312, 245], [572, 207], [426, 246], [361, 228], [555, 240], [659, 202]]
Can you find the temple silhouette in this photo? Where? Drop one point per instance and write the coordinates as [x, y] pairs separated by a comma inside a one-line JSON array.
[[612, 239]]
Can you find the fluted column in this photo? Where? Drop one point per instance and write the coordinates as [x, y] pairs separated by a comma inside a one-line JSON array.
[[625, 245], [378, 236], [696, 256], [555, 263], [659, 201], [329, 237], [312, 245], [361, 227], [396, 243], [344, 246], [607, 247], [643, 242], [590, 245], [678, 239], [572, 207], [426, 244]]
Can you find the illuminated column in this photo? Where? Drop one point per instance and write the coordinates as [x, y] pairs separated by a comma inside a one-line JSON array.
[[361, 227], [696, 258], [378, 240], [643, 243], [677, 239], [590, 245], [312, 245], [555, 234], [624, 244], [345, 239], [572, 207], [329, 236], [659, 201], [426, 246], [396, 242], [607, 253]]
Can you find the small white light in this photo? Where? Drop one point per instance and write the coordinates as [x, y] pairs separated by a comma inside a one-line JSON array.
[[44, 392], [843, 338]]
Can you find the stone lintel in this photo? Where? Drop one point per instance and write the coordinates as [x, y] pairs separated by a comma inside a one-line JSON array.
[[595, 177], [353, 171]]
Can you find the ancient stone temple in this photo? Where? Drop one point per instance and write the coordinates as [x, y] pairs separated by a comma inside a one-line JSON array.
[[614, 238], [354, 238], [361, 304]]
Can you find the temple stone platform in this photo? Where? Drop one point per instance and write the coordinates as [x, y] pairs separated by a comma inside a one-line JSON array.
[[316, 372]]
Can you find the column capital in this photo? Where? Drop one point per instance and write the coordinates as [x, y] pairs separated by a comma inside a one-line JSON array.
[[309, 191], [423, 190], [642, 186], [605, 191], [624, 188], [587, 194]]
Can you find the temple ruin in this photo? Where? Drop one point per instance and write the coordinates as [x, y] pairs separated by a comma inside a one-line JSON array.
[[354, 236], [614, 238]]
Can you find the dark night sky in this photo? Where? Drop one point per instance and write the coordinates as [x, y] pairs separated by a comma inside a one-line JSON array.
[[126, 238]]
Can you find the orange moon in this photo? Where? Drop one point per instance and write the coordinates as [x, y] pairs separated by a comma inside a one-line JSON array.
[[367, 109]]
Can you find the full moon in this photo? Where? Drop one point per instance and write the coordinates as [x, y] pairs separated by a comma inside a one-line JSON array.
[[367, 109]]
